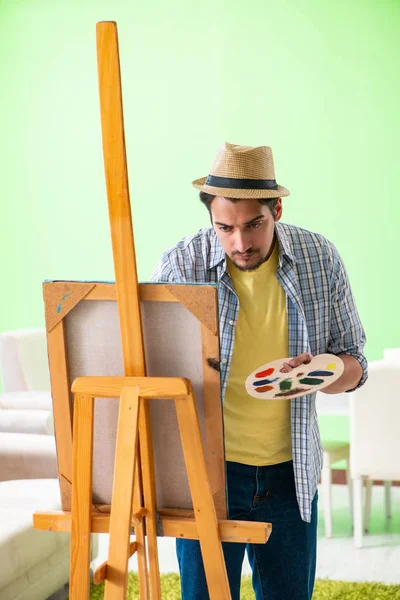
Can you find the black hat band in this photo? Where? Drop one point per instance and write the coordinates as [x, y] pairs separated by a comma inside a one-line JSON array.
[[245, 184]]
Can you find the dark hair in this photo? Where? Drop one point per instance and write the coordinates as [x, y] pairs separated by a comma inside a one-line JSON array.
[[208, 198]]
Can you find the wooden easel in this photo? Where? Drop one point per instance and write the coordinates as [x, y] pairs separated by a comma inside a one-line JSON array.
[[134, 498]]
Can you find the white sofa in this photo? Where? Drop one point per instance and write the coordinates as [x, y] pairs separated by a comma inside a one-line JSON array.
[[34, 564], [25, 403]]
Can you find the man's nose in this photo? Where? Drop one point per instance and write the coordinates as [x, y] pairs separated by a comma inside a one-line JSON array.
[[242, 242]]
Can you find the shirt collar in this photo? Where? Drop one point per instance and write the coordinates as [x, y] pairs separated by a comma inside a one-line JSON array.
[[217, 253], [285, 246]]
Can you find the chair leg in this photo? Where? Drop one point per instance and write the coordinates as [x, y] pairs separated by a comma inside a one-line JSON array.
[[357, 511], [349, 482], [368, 502], [388, 500], [327, 495]]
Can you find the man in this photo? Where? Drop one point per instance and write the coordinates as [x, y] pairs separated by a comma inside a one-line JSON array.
[[283, 291]]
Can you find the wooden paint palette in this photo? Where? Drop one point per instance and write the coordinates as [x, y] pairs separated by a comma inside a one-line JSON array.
[[268, 383]]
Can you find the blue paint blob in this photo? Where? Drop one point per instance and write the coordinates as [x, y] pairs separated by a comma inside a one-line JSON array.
[[320, 374], [59, 308], [265, 381]]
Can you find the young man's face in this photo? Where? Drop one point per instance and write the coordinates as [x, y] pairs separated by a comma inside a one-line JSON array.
[[245, 229]]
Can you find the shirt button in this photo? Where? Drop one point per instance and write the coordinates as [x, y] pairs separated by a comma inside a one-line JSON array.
[[231, 322], [224, 360]]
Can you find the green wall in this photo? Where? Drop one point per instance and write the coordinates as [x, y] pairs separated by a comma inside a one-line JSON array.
[[318, 81]]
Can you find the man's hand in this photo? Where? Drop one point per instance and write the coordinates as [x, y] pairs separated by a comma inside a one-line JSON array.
[[349, 379], [301, 359]]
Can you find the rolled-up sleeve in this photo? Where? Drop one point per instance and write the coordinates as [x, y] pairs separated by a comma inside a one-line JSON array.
[[347, 335]]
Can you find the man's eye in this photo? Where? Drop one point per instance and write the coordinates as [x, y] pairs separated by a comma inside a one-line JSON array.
[[255, 225], [224, 228]]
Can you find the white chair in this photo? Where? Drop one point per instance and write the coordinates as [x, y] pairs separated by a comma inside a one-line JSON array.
[[392, 356], [333, 453], [374, 437]]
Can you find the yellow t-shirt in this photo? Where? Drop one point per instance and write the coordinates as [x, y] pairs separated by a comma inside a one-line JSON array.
[[257, 432]]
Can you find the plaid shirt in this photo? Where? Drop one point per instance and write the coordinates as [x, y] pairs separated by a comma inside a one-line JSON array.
[[322, 317]]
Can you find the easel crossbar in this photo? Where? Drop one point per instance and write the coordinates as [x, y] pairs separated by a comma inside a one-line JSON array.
[[238, 531], [150, 387]]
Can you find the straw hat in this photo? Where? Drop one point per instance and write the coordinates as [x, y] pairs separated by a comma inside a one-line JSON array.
[[242, 172]]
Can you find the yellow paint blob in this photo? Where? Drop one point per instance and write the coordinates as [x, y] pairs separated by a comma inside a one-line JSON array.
[[331, 366]]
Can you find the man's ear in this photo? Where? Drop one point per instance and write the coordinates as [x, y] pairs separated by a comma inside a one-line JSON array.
[[278, 210]]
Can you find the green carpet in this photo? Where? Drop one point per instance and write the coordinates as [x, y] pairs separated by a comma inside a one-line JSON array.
[[324, 590]]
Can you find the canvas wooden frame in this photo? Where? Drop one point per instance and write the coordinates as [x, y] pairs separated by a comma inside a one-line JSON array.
[[61, 297]]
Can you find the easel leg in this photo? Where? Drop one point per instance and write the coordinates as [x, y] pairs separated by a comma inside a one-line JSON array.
[[121, 506], [140, 535], [149, 489], [81, 503], [206, 520]]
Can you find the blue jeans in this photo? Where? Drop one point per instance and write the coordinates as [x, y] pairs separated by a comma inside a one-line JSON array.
[[284, 567]]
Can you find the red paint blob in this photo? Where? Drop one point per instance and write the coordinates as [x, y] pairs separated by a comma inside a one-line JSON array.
[[265, 373], [264, 388]]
